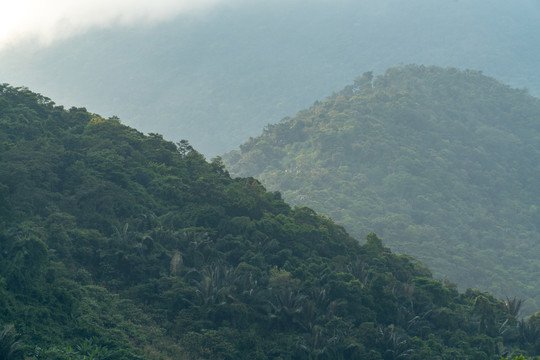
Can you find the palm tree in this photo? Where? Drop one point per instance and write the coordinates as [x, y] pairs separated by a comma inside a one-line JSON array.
[[216, 282], [395, 343], [513, 306], [529, 332], [10, 344]]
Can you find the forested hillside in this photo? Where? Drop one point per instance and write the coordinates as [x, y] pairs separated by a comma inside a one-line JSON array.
[[441, 163], [117, 245]]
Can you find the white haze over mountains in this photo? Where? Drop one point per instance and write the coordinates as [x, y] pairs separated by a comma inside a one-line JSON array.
[[216, 72], [45, 21]]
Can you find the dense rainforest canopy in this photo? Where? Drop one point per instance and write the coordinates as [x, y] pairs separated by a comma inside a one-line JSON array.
[[120, 245], [441, 163]]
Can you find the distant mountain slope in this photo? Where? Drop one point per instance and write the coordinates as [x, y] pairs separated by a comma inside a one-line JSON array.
[[218, 78], [117, 245], [442, 163]]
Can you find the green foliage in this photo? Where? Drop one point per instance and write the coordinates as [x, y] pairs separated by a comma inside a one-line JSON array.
[[10, 344], [120, 245], [441, 163]]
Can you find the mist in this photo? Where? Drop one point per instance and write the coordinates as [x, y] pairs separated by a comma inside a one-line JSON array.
[[216, 72], [43, 22]]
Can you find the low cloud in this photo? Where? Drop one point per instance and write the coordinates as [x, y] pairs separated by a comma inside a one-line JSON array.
[[44, 21]]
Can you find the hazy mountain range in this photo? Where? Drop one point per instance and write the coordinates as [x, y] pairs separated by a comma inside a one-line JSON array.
[[120, 245]]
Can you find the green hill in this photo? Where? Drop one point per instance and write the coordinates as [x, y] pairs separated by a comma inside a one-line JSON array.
[[117, 245], [441, 163]]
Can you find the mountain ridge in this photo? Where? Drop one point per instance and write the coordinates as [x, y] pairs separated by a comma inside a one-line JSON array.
[[422, 156], [120, 245]]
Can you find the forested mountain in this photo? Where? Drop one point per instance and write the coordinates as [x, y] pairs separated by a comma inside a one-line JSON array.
[[218, 77], [118, 245], [441, 163]]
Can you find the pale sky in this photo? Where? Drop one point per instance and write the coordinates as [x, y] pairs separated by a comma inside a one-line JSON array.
[[44, 21]]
